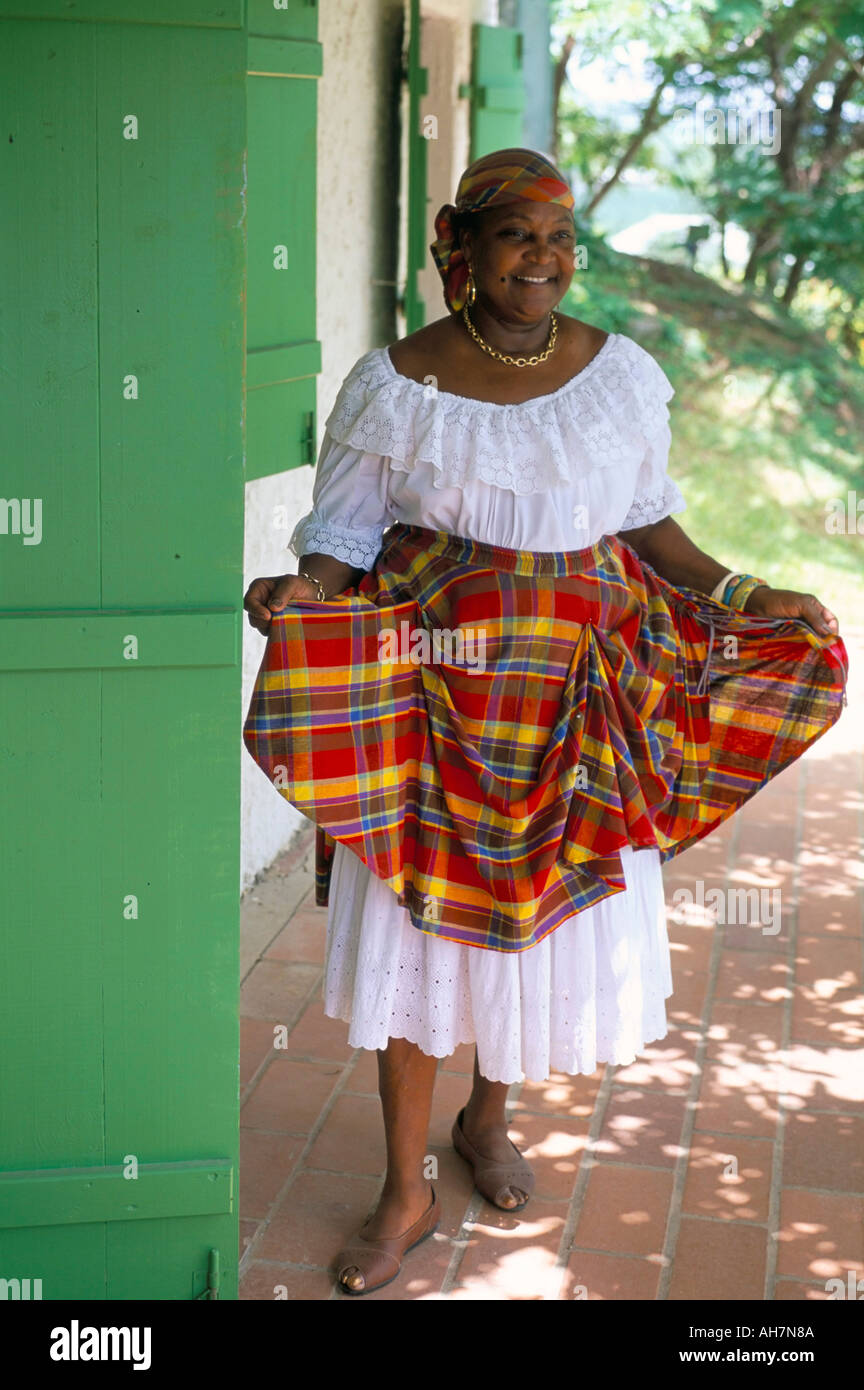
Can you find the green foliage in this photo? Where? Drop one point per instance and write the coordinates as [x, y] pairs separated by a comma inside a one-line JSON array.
[[767, 420], [801, 203], [769, 406]]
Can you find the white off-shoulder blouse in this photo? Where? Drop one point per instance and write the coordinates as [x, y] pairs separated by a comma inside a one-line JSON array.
[[554, 473]]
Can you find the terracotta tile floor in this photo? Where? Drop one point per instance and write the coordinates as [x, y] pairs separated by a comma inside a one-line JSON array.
[[726, 1162]]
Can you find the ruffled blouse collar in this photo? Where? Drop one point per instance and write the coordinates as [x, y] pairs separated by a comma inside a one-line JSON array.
[[614, 406]]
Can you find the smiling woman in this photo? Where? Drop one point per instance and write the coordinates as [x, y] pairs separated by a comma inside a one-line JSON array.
[[505, 264], [491, 835], [495, 240]]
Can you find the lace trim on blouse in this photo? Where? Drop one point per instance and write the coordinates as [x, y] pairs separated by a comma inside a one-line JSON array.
[[650, 506], [614, 407], [314, 536]]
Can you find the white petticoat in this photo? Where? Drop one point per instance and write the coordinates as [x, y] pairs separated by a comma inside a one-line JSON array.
[[593, 991]]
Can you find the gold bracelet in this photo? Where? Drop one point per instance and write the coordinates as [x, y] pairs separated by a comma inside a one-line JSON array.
[[322, 596]]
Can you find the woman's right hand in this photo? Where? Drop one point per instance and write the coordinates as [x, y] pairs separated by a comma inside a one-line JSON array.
[[265, 596]]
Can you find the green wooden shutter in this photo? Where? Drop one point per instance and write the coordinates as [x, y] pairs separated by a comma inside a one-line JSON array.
[[283, 354], [122, 360], [416, 79], [498, 89]]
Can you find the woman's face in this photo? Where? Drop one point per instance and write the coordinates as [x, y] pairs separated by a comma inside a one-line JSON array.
[[521, 257]]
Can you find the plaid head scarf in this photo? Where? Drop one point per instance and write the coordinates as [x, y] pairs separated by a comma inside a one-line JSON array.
[[503, 177]]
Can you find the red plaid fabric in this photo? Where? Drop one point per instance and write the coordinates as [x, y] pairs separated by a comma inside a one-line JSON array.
[[487, 728]]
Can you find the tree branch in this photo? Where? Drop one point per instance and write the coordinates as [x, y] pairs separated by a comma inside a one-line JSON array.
[[647, 126]]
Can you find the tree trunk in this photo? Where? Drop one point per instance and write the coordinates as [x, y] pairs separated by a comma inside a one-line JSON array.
[[851, 335], [761, 242], [752, 263], [723, 260], [793, 280], [558, 80]]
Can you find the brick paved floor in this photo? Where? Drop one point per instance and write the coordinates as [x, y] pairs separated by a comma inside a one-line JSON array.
[[727, 1162]]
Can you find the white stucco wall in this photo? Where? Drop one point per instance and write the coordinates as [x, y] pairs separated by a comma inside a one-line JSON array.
[[357, 247], [356, 225]]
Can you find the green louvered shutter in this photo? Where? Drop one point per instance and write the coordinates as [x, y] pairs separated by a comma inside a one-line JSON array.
[[121, 356], [415, 172], [283, 355], [498, 89]]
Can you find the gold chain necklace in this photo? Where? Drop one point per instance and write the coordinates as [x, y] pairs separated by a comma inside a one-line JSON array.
[[505, 357]]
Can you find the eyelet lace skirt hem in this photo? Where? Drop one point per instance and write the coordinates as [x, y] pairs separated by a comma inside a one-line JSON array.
[[591, 992]]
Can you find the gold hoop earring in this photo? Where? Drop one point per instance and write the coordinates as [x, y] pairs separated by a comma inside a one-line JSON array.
[[470, 288]]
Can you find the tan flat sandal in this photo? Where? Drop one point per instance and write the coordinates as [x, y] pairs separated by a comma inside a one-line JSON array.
[[491, 1178], [379, 1261]]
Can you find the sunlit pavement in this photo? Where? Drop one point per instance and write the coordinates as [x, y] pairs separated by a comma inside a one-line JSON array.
[[725, 1162]]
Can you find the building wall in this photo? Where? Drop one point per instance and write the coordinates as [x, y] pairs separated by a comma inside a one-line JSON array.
[[445, 51], [358, 230]]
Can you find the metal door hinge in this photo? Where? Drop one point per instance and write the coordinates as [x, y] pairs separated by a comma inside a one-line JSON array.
[[212, 1287], [307, 438]]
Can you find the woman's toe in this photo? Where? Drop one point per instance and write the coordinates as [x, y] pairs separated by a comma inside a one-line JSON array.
[[352, 1278], [513, 1197]]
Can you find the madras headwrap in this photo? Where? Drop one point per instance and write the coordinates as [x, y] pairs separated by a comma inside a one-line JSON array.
[[494, 180], [494, 797]]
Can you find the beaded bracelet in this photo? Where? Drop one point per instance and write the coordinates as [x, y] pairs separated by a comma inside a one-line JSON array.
[[739, 588], [734, 590]]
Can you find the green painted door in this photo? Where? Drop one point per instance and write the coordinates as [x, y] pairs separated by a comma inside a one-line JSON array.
[[121, 542], [498, 89], [283, 354]]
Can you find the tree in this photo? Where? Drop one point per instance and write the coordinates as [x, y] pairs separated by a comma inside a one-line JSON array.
[[803, 60]]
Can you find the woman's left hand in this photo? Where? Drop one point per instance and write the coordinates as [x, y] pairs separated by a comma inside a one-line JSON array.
[[786, 603]]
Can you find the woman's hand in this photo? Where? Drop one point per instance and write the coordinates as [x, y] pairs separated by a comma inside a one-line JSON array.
[[786, 603], [266, 596]]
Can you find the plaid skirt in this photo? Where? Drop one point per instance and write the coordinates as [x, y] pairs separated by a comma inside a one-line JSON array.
[[486, 728]]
